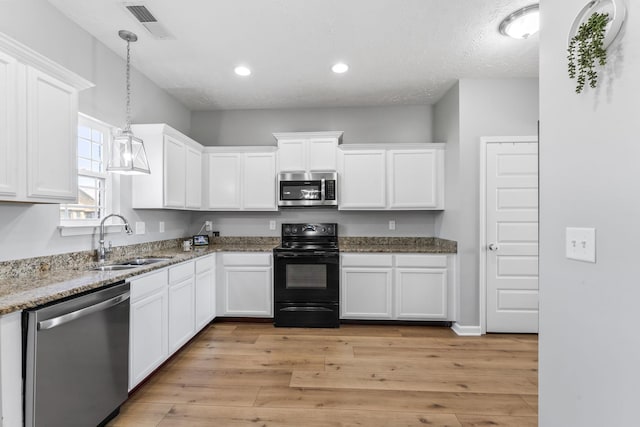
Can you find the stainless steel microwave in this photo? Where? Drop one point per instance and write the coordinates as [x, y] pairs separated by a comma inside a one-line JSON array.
[[302, 189]]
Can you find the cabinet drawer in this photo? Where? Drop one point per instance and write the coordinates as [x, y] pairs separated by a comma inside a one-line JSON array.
[[180, 272], [248, 259], [148, 284], [415, 260], [205, 263], [367, 260]]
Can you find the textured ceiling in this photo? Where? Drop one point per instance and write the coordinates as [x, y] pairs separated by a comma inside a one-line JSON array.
[[399, 51]]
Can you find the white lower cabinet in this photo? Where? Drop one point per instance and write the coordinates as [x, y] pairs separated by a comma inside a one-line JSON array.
[[205, 291], [247, 288], [164, 307], [148, 327], [182, 321], [398, 286]]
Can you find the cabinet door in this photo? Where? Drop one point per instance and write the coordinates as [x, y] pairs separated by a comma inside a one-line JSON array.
[[362, 179], [259, 183], [205, 299], [174, 173], [366, 293], [421, 294], [193, 189], [413, 179], [321, 154], [148, 345], [292, 155], [8, 127], [224, 181], [181, 313], [248, 291], [52, 126]]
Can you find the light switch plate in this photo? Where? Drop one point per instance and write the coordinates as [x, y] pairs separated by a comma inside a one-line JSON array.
[[140, 227], [161, 226], [581, 244]]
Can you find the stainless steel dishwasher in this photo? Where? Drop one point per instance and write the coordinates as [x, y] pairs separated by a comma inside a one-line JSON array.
[[76, 359]]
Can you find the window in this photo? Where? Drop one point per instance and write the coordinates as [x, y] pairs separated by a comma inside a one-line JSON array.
[[94, 184]]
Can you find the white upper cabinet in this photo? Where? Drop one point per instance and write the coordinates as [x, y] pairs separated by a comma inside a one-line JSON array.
[[362, 182], [175, 161], [241, 178], [307, 151], [38, 127], [391, 177]]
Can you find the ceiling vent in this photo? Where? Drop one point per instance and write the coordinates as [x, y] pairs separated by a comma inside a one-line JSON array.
[[146, 18]]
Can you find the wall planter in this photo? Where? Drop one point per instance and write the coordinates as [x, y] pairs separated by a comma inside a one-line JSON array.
[[594, 29]]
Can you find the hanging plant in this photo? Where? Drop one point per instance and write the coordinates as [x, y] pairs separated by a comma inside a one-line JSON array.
[[586, 48]]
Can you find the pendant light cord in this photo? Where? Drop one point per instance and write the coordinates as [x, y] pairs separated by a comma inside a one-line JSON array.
[[128, 109]]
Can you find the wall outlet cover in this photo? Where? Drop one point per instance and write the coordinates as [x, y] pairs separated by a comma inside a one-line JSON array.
[[580, 244], [392, 225], [140, 227], [161, 226], [272, 225]]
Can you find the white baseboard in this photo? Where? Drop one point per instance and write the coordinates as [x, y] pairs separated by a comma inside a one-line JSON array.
[[466, 330]]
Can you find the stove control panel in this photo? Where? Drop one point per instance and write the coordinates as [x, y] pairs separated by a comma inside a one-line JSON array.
[[326, 229]]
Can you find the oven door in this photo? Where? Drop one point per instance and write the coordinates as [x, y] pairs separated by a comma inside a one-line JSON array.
[[306, 277]]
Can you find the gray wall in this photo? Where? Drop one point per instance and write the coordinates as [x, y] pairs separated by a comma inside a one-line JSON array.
[[487, 107], [412, 123], [31, 230], [589, 177]]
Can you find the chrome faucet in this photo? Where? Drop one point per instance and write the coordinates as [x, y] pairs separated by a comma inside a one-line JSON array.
[[102, 252]]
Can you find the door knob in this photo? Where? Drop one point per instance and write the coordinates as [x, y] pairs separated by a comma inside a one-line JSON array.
[[493, 247]]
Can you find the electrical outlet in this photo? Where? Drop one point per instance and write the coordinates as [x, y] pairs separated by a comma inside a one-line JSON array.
[[140, 227], [161, 226], [581, 244], [392, 225], [208, 225], [272, 225]]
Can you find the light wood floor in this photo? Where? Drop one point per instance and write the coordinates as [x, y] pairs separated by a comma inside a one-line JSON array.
[[246, 374]]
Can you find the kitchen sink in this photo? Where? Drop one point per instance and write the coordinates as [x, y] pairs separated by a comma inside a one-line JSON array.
[[141, 261], [113, 267]]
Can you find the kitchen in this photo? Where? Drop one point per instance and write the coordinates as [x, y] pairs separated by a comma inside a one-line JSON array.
[[32, 230]]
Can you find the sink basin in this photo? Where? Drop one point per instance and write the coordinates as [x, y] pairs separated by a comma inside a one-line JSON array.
[[113, 267], [141, 261]]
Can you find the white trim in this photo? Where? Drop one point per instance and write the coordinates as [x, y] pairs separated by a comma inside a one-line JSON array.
[[482, 253], [306, 135], [30, 57], [466, 331], [86, 229]]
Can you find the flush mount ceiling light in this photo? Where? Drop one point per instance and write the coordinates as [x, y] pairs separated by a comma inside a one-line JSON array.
[[522, 23], [340, 68], [127, 154], [243, 71]]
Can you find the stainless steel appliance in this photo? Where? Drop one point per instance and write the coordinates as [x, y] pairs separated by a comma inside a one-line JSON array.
[[76, 359], [307, 276], [300, 189]]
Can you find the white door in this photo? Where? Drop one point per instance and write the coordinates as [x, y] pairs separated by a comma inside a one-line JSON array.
[[512, 237], [259, 182], [193, 174], [362, 179], [174, 173], [224, 181], [413, 179]]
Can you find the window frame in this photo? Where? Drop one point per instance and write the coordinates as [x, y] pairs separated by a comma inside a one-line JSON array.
[[110, 182]]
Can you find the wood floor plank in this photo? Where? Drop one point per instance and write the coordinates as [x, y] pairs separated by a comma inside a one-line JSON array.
[[445, 382], [198, 395], [201, 416], [344, 330], [496, 421], [532, 400], [224, 377], [133, 414], [394, 400], [202, 360], [447, 353], [402, 365]]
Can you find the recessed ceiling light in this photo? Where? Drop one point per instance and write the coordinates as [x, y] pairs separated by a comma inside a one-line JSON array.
[[241, 70], [340, 68], [522, 23]]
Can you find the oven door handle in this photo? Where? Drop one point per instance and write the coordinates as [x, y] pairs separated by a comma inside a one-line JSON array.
[[306, 309], [308, 255]]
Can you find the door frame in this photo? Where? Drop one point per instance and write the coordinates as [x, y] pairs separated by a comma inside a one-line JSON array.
[[482, 215]]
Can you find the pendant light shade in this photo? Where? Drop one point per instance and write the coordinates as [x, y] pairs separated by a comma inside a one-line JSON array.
[[127, 154]]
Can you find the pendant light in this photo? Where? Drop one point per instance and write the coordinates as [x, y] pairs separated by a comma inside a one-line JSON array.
[[127, 154]]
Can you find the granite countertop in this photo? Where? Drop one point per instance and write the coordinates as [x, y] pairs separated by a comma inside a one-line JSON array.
[[36, 281], [426, 245]]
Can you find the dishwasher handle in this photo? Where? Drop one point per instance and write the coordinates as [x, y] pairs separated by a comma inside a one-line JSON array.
[[66, 318]]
